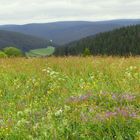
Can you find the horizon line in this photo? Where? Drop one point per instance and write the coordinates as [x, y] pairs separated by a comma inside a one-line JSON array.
[[59, 21]]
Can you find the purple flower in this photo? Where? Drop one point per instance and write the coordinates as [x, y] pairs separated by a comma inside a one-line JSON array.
[[110, 114], [80, 98], [123, 112], [133, 115], [128, 97], [114, 96]]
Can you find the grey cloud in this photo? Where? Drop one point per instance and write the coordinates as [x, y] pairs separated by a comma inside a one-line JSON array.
[[25, 11]]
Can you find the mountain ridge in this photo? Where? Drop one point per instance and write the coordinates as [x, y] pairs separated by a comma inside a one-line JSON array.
[[64, 32]]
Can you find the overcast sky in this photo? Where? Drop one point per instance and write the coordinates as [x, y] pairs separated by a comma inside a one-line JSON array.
[[28, 11]]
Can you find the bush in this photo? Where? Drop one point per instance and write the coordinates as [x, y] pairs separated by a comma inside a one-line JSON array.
[[2, 54], [13, 52], [86, 52]]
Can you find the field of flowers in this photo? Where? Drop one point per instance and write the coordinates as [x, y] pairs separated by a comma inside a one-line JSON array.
[[92, 98]]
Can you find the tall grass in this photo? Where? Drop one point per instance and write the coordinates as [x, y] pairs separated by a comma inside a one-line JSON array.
[[74, 98]]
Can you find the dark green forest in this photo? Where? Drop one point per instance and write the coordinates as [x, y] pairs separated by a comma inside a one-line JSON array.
[[123, 41]]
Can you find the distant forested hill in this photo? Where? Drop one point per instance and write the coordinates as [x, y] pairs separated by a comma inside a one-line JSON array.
[[123, 41], [65, 32], [21, 41]]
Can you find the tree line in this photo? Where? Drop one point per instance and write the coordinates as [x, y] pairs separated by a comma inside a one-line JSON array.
[[123, 41]]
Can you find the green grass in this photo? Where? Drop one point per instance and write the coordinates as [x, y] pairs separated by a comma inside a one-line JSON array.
[[74, 98], [41, 52]]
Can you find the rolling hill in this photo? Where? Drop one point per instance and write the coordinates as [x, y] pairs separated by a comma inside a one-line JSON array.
[[123, 41], [21, 41], [65, 32]]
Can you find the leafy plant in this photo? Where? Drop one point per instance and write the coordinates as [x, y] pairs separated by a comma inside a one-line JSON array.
[[12, 52], [86, 52], [2, 54]]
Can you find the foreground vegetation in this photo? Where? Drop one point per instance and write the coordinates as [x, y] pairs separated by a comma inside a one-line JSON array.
[[73, 98]]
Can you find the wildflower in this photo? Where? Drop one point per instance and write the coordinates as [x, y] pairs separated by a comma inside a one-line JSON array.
[[110, 114], [58, 113], [133, 115], [122, 112], [128, 97], [114, 96], [80, 98], [44, 70], [67, 108]]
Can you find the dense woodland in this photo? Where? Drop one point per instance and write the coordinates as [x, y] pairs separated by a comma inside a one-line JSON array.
[[123, 41]]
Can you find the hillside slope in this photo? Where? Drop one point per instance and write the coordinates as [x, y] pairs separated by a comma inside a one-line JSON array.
[[65, 32], [21, 41], [123, 41], [42, 52]]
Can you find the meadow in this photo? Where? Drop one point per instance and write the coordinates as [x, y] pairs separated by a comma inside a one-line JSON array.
[[70, 98], [43, 52]]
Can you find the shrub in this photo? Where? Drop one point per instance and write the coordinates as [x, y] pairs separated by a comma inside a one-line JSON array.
[[13, 52], [2, 54], [86, 52]]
